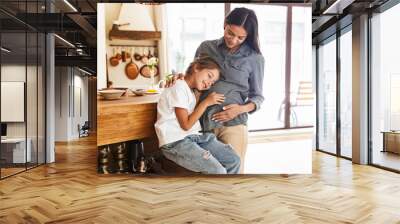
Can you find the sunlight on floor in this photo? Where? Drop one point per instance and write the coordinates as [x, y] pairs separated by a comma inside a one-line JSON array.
[[280, 156]]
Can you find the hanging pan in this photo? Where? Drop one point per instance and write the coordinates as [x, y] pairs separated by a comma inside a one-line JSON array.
[[114, 61], [145, 71], [145, 57], [131, 70]]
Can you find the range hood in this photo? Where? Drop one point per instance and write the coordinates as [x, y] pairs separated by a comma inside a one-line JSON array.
[[134, 23]]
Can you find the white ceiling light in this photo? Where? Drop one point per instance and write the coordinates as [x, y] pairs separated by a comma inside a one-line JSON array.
[[70, 5], [65, 41], [337, 7], [5, 50], [84, 71]]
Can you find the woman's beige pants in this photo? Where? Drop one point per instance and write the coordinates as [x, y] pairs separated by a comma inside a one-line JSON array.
[[237, 137]]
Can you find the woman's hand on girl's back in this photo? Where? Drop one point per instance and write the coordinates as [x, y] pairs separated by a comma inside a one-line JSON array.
[[170, 81]]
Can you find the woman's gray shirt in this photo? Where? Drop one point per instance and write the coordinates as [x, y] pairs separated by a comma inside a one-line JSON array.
[[241, 80]]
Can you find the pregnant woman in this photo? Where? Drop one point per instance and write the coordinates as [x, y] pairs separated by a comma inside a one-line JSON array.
[[242, 72]]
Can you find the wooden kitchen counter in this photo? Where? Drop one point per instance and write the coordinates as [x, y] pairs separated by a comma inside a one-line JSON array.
[[126, 119]]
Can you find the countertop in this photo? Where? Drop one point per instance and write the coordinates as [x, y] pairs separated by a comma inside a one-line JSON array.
[[128, 100]]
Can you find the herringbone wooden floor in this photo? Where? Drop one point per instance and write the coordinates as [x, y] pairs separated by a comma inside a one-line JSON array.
[[71, 191]]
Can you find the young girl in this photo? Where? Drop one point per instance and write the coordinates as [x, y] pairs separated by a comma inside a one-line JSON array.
[[178, 126], [242, 67]]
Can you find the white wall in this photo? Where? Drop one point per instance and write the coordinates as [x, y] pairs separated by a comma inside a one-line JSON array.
[[70, 83], [107, 14], [12, 101], [79, 117], [61, 103], [14, 73], [33, 127], [17, 73]]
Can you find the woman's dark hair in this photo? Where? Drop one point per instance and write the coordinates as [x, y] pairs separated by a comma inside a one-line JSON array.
[[202, 62], [248, 20]]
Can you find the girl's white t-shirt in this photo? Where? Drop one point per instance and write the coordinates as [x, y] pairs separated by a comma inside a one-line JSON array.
[[167, 126]]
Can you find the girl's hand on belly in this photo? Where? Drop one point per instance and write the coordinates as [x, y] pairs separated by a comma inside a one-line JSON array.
[[229, 112]]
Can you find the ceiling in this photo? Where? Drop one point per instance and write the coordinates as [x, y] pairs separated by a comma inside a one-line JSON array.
[[76, 22], [72, 20], [330, 15]]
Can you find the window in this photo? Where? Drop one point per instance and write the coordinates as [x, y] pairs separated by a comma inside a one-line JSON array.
[[385, 87], [191, 27], [346, 94], [272, 31], [327, 96], [302, 110], [22, 68], [188, 26]]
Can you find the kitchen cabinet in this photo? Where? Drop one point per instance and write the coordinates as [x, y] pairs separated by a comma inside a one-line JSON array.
[[126, 119]]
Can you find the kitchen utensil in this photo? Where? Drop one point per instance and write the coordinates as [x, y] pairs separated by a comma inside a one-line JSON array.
[[137, 56], [145, 71], [142, 92], [145, 58], [111, 94], [153, 54], [114, 61], [118, 88], [109, 83], [123, 55], [119, 25], [138, 92], [131, 70], [128, 54], [119, 56]]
